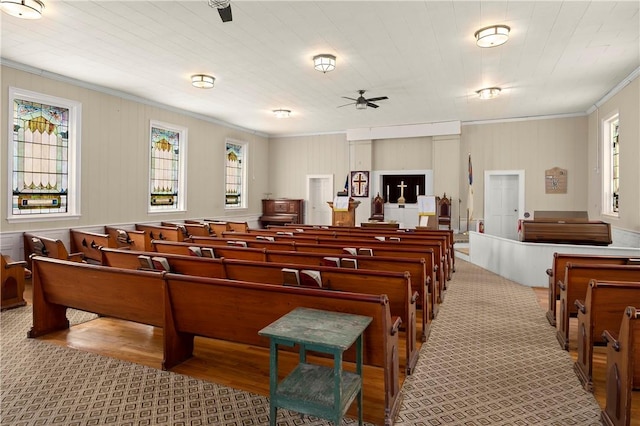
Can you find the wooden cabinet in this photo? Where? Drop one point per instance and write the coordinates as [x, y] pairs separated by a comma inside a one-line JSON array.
[[281, 211]]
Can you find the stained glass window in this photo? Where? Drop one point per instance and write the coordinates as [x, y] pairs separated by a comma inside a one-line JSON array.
[[615, 166], [611, 165], [167, 144], [235, 182], [43, 145]]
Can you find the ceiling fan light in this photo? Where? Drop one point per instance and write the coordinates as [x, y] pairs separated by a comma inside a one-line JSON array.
[[202, 81], [324, 62], [489, 92], [361, 105], [282, 113], [25, 9], [492, 36]]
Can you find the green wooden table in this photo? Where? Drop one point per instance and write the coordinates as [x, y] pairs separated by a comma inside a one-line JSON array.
[[314, 389]]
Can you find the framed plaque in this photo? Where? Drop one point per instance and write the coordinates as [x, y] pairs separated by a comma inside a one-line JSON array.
[[360, 184], [555, 181]]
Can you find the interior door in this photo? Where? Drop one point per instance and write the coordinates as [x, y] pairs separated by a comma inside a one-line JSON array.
[[502, 205], [319, 191]]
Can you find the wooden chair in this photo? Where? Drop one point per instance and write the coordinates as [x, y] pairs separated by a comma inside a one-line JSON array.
[[13, 278], [444, 211], [377, 208]]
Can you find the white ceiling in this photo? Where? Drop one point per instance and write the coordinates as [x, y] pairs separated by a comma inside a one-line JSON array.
[[561, 58]]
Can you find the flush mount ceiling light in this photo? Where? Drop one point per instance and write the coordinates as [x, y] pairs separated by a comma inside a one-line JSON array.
[[202, 81], [324, 62], [492, 36], [25, 9], [489, 92], [282, 113]]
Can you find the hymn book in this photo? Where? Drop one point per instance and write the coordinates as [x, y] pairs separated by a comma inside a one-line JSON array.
[[290, 277], [145, 262], [310, 278], [207, 252], [161, 263]]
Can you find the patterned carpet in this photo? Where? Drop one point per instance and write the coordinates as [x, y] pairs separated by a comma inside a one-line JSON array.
[[491, 359]]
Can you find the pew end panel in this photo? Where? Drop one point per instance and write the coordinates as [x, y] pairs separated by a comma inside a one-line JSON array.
[[623, 369], [13, 282]]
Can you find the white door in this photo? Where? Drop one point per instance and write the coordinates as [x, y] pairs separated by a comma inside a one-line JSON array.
[[319, 191], [504, 201]]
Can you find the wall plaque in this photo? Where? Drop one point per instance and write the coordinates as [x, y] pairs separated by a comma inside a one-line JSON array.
[[555, 181]]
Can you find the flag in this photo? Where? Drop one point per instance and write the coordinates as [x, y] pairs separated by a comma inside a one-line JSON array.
[[470, 196], [346, 184]]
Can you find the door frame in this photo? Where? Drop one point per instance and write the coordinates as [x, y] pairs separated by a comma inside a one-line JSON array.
[[308, 203], [489, 174]]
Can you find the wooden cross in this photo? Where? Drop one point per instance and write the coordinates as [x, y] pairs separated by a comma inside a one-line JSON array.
[[402, 186]]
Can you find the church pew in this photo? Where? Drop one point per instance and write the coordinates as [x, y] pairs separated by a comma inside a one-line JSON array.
[[49, 247], [12, 281], [574, 286], [201, 229], [159, 232], [601, 310], [421, 269], [126, 294], [623, 369], [556, 274], [183, 306], [396, 285], [194, 299], [89, 243], [129, 238], [229, 226]]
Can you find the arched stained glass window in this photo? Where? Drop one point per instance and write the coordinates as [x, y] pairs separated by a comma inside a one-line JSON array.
[[167, 144]]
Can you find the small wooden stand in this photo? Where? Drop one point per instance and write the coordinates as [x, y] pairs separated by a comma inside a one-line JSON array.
[[344, 218]]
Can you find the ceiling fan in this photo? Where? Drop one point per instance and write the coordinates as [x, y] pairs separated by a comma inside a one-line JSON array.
[[362, 102], [224, 9]]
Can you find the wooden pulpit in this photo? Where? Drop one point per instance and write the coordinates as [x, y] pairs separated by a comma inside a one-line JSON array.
[[346, 217]]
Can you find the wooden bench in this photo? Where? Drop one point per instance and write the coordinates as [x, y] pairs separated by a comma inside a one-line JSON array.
[[187, 306], [420, 269], [48, 247], [159, 232], [556, 274], [623, 369], [574, 286], [566, 232], [395, 285], [201, 229], [12, 282], [129, 238], [601, 310], [89, 243]]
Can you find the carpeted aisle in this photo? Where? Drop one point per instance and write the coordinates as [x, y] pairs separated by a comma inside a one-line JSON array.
[[491, 359]]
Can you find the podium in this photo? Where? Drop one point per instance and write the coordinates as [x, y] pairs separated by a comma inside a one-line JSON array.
[[345, 217]]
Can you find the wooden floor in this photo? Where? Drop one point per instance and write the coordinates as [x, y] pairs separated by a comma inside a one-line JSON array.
[[221, 362]]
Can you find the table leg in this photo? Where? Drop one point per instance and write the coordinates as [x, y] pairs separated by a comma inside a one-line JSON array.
[[273, 382]]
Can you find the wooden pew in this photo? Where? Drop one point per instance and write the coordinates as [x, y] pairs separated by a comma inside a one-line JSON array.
[[89, 243], [595, 233], [159, 232], [128, 238], [44, 246], [228, 226], [185, 305], [396, 285], [623, 369], [201, 229], [556, 274], [601, 310], [420, 269], [574, 286], [12, 282]]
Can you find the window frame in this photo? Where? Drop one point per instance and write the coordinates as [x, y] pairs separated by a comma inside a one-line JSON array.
[[181, 198], [73, 155], [608, 124], [244, 202]]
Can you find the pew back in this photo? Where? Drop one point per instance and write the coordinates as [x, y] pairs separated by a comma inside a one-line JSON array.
[[159, 232], [89, 243], [128, 238], [44, 246]]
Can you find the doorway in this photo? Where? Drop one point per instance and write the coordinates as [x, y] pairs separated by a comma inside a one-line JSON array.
[[503, 202], [319, 191]]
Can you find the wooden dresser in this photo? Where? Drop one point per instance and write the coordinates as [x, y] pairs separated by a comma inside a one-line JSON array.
[[281, 211]]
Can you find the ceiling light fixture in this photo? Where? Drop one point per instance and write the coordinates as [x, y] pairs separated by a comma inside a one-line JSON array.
[[361, 105], [324, 62], [282, 113], [492, 36], [202, 81], [25, 9], [489, 92]]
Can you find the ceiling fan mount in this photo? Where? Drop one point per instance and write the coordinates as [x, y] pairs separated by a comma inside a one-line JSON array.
[[224, 9], [362, 103]]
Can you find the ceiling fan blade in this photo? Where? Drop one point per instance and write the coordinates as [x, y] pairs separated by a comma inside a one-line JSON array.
[[351, 99], [351, 103], [369, 104], [225, 14], [381, 98]]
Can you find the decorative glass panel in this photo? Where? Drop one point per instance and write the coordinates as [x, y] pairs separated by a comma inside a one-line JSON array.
[[615, 163], [40, 141], [166, 145], [235, 174]]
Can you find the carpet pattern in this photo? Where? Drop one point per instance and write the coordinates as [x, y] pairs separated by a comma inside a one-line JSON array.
[[491, 359]]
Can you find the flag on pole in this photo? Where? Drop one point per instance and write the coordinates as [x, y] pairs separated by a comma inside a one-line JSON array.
[[346, 184], [470, 196]]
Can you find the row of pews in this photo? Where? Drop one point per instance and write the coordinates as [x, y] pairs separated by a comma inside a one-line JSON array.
[[602, 293], [174, 278]]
